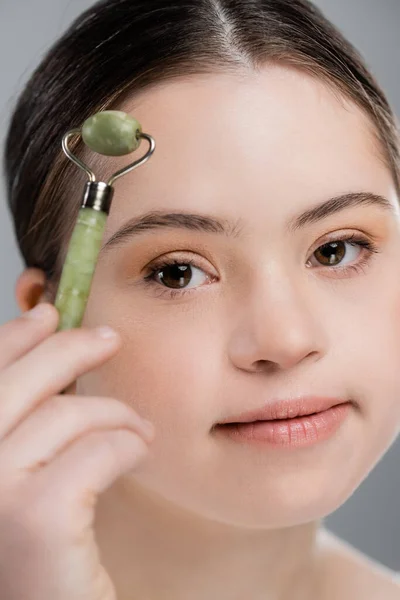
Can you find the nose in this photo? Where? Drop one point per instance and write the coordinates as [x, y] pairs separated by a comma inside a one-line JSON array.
[[279, 325]]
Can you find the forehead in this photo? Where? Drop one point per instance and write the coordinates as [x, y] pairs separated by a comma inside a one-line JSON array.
[[272, 133], [229, 112]]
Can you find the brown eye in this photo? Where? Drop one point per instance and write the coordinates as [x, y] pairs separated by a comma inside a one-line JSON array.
[[344, 255], [175, 275], [331, 253]]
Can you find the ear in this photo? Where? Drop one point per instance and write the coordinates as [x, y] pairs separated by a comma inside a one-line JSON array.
[[30, 288]]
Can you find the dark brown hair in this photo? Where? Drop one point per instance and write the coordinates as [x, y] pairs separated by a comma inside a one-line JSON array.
[[122, 46]]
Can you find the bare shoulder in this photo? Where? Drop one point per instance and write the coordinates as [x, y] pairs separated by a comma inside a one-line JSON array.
[[348, 573]]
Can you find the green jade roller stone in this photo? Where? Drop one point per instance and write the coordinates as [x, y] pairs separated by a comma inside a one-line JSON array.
[[113, 133]]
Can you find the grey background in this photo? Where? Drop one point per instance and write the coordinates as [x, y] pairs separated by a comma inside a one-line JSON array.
[[370, 519]]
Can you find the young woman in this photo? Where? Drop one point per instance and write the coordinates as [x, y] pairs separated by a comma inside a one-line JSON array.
[[250, 270]]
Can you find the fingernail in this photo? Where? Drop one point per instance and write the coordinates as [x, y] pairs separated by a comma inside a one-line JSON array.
[[106, 332]]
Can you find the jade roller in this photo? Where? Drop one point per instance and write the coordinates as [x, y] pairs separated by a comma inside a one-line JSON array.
[[111, 133]]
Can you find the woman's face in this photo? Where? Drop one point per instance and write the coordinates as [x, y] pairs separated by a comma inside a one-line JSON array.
[[261, 314]]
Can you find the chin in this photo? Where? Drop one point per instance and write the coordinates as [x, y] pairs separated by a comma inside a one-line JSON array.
[[253, 504]]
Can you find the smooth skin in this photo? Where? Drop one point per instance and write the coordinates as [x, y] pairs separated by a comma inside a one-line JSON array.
[[202, 518]]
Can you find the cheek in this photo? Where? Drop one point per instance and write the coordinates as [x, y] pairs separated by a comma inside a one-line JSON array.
[[375, 361], [382, 343], [168, 369]]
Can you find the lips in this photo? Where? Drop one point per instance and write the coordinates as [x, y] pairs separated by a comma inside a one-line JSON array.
[[287, 409]]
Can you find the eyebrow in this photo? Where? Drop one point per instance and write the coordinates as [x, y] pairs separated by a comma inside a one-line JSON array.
[[161, 220]]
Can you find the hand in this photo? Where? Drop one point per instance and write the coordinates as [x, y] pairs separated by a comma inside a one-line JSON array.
[[57, 454]]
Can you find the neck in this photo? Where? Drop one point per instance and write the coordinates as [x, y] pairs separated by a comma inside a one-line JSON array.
[[154, 550]]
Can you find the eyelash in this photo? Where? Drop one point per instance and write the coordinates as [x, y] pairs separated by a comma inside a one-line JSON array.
[[355, 239]]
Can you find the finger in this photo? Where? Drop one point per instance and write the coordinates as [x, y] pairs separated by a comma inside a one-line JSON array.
[[22, 334], [49, 367], [56, 423], [67, 489]]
